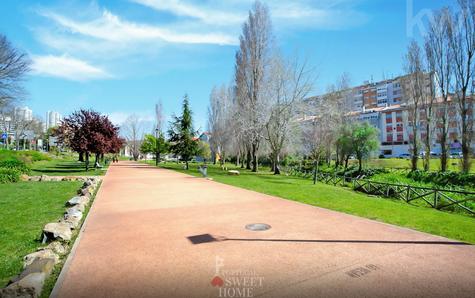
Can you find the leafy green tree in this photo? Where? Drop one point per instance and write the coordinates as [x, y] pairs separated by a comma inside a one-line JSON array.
[[204, 151], [182, 135], [365, 141], [154, 145], [344, 144]]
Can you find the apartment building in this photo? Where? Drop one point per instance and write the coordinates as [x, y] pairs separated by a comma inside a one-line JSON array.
[[23, 113], [384, 105], [52, 119]]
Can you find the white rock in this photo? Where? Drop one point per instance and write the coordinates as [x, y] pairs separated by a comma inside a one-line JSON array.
[[57, 247], [33, 281], [45, 178], [78, 200], [41, 254], [57, 230]]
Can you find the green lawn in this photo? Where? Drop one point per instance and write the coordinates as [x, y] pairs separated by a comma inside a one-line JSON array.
[[25, 207], [424, 219], [67, 166]]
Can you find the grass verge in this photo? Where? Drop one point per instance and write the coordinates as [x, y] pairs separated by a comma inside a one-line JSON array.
[[454, 226], [25, 207], [51, 280], [65, 167]]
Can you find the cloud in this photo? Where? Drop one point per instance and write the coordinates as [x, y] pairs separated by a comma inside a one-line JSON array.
[[110, 27], [124, 44], [323, 14], [333, 16], [67, 67], [204, 14]]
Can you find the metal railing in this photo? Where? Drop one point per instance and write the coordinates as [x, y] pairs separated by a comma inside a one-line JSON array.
[[440, 199]]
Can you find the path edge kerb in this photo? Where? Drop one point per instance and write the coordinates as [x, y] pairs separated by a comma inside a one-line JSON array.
[[64, 270]]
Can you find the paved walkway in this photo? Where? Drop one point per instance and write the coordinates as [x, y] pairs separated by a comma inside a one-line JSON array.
[[158, 233]]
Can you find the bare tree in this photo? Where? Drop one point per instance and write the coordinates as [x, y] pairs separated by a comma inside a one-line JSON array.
[[428, 103], [219, 121], [13, 67], [338, 107], [132, 130], [252, 63], [414, 88], [462, 42], [290, 83], [440, 58], [317, 134]]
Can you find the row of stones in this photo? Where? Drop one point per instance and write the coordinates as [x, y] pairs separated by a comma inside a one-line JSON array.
[[38, 265], [54, 178]]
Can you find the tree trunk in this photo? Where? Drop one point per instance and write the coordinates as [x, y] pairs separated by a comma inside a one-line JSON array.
[[87, 161], [276, 166], [415, 149], [465, 143], [466, 157], [443, 138], [223, 161], [157, 157], [248, 160], [427, 158], [81, 157], [360, 165], [237, 158], [315, 164], [427, 149], [96, 161], [346, 162], [444, 153], [254, 157], [337, 157], [186, 164]]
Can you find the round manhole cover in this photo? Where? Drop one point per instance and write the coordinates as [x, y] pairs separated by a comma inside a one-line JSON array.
[[258, 227]]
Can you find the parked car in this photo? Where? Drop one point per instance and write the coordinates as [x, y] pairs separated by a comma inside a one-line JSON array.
[[456, 155], [423, 153], [404, 155]]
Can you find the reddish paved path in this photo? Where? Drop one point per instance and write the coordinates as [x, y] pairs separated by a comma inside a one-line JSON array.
[[135, 244]]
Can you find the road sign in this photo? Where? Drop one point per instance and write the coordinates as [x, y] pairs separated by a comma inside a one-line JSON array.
[[4, 136]]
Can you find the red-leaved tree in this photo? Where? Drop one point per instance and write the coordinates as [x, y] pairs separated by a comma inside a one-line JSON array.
[[88, 132]]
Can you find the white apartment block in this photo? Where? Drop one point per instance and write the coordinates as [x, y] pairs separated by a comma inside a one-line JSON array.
[[52, 119], [24, 113]]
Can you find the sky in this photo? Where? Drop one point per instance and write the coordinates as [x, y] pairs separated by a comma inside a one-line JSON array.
[[121, 57]]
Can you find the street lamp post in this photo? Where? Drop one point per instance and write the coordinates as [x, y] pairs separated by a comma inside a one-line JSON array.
[[157, 146]]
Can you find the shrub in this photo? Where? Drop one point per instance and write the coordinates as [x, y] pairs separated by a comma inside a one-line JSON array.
[[9, 175], [15, 164], [25, 156], [352, 171], [443, 178]]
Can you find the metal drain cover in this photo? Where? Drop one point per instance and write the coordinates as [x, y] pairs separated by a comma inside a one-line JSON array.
[[258, 227]]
